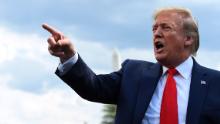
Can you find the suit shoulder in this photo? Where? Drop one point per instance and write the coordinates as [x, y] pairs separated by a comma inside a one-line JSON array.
[[211, 72], [136, 63]]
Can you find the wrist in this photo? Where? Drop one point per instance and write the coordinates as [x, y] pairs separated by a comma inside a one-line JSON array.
[[67, 56]]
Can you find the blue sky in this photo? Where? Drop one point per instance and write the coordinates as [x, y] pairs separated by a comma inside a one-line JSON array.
[[30, 91], [115, 23]]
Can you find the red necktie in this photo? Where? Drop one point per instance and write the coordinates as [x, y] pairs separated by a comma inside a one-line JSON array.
[[169, 109]]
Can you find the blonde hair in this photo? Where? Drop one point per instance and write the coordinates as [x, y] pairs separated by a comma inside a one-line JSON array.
[[190, 25]]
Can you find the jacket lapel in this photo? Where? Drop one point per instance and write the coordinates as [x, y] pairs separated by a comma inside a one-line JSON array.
[[198, 89], [148, 83]]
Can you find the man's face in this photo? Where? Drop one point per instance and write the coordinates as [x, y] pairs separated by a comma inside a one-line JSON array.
[[169, 38]]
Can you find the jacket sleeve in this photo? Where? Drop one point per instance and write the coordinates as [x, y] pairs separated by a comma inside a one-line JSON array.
[[98, 88]]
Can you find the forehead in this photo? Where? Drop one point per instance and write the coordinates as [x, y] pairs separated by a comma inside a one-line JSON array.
[[168, 17]]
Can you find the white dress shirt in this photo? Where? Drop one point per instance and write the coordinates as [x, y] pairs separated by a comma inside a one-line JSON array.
[[66, 66], [152, 115], [183, 80]]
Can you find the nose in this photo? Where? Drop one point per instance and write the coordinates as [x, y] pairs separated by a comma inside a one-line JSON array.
[[157, 32]]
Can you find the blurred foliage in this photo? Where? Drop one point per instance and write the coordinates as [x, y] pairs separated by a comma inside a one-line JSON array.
[[109, 114]]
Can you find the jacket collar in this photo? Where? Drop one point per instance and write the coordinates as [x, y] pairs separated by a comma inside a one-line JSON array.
[[148, 83]]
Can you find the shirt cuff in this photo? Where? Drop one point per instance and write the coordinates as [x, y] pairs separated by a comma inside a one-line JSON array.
[[66, 66]]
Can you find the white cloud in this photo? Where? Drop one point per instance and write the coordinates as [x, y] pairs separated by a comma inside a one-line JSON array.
[[16, 45], [4, 78], [209, 58], [54, 106], [60, 105]]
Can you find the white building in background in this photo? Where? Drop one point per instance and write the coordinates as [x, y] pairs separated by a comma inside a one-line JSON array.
[[116, 60]]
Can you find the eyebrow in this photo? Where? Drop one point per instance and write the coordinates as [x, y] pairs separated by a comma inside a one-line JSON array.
[[163, 24]]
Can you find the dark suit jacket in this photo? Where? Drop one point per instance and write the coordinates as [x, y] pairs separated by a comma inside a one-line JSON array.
[[132, 87]]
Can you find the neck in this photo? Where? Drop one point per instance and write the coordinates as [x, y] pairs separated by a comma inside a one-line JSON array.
[[174, 63]]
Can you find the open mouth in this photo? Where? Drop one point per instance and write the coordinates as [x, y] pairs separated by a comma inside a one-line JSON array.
[[159, 45]]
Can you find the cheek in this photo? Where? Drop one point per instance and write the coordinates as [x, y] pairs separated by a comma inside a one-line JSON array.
[[175, 42], [174, 48]]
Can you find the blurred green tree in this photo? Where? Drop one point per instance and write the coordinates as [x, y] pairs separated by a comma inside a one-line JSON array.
[[109, 114]]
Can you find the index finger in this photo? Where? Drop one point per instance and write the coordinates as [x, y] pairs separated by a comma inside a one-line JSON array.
[[50, 29]]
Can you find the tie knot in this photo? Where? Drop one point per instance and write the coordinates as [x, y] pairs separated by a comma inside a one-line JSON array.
[[172, 71]]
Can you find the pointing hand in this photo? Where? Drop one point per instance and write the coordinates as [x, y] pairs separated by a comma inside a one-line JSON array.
[[59, 45]]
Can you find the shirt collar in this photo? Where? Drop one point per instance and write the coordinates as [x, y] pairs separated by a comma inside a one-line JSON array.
[[184, 69]]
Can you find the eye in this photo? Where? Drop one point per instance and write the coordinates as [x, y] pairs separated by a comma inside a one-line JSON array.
[[154, 28], [166, 28]]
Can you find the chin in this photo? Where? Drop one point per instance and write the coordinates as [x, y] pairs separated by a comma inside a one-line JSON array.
[[161, 59]]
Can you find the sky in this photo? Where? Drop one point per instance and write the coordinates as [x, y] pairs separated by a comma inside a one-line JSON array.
[[30, 92]]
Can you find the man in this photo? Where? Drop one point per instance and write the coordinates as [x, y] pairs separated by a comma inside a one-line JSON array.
[[176, 90]]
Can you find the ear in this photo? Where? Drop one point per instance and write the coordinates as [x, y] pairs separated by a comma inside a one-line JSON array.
[[188, 41]]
